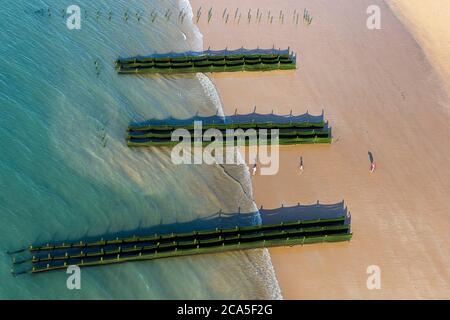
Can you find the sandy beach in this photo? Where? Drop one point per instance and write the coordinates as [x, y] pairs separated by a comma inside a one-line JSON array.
[[428, 21], [384, 92]]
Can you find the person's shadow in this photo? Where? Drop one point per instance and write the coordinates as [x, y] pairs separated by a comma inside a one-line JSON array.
[[370, 157]]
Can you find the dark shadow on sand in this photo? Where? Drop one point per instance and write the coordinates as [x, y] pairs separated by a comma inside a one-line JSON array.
[[236, 118], [370, 157]]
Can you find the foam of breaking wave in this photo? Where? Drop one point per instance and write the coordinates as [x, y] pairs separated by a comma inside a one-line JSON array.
[[264, 264], [185, 5], [274, 287], [211, 92]]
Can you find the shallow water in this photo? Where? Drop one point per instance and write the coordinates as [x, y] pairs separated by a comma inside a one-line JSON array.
[[66, 172]]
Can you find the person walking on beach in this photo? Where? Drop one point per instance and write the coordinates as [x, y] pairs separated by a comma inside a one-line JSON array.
[[301, 164], [372, 162], [254, 168]]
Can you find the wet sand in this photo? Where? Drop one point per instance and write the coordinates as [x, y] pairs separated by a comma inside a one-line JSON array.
[[381, 95]]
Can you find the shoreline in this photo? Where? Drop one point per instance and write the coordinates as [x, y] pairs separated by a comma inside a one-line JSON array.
[[210, 89], [374, 97]]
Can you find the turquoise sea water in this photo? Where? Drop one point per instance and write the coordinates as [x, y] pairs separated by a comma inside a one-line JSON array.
[[66, 173]]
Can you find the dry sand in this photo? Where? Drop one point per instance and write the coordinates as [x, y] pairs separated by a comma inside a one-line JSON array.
[[429, 21], [381, 94]]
